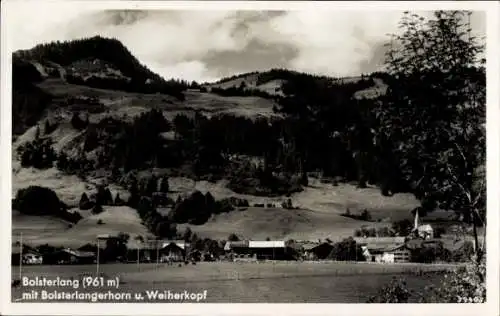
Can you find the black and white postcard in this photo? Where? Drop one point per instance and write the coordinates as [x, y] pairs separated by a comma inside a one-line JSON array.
[[194, 157]]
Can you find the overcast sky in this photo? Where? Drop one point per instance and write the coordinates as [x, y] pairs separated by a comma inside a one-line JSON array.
[[208, 45]]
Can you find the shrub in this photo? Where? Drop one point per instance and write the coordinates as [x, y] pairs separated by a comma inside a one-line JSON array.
[[233, 237], [38, 154], [85, 203], [166, 229], [118, 200], [287, 204], [103, 196], [346, 250], [72, 217], [395, 292], [97, 209], [100, 222], [402, 227], [463, 254], [164, 186], [439, 231], [223, 206], [366, 216], [188, 233], [461, 285], [37, 200], [77, 122], [49, 128], [385, 232]]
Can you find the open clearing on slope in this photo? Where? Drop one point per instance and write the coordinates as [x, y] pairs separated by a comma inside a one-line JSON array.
[[270, 282], [278, 223], [119, 103], [318, 196], [39, 230], [35, 228]]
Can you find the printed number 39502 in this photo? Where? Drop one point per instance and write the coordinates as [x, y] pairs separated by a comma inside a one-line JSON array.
[[475, 299]]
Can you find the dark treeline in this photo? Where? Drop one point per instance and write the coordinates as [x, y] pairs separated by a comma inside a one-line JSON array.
[[111, 51], [226, 79], [242, 91], [286, 75]]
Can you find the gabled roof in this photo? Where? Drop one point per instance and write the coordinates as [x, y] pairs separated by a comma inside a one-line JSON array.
[[78, 253], [310, 246], [425, 228], [395, 247], [236, 244], [266, 244], [179, 243], [379, 240]]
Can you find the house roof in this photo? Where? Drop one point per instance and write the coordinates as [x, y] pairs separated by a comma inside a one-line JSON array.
[[379, 240], [395, 247], [322, 245], [236, 244], [425, 228], [179, 243], [78, 253], [173, 246], [266, 244], [420, 243], [310, 246]]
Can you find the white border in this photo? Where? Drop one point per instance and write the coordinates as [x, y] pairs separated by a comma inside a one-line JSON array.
[[493, 175]]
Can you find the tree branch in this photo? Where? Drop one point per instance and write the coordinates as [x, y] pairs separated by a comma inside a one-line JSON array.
[[455, 179]]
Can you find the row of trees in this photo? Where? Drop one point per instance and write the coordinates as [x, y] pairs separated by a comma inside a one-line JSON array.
[[242, 91]]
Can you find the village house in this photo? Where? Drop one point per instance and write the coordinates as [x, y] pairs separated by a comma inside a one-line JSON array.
[[387, 254], [272, 250], [173, 251], [29, 256], [238, 247], [384, 249], [317, 251], [260, 250], [70, 256]]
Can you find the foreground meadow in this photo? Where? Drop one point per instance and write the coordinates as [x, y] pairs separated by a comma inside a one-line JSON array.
[[278, 282]]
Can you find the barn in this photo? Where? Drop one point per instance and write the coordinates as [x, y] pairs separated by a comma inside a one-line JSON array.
[[272, 250], [318, 251]]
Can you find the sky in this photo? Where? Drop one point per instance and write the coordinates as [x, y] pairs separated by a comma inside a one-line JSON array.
[[208, 45]]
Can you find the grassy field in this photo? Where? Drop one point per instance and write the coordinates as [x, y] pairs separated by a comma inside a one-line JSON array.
[[46, 230], [119, 102], [279, 282], [278, 223]]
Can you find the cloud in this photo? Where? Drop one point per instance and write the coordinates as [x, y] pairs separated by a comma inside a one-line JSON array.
[[204, 45]]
